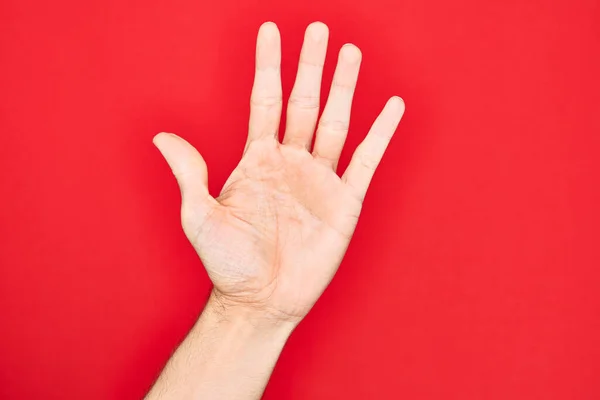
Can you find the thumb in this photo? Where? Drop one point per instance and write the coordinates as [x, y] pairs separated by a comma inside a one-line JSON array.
[[190, 170]]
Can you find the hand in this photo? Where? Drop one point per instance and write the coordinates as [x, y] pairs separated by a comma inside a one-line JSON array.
[[275, 236]]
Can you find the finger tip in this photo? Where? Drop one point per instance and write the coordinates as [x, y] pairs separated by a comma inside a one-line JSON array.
[[398, 103], [268, 24], [317, 31], [269, 27], [351, 53], [159, 137]]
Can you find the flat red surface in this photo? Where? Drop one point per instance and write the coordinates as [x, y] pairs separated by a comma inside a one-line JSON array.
[[474, 272]]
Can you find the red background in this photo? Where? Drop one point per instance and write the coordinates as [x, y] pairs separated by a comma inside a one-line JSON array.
[[474, 272]]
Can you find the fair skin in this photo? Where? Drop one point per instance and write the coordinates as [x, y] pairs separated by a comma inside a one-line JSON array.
[[273, 239]]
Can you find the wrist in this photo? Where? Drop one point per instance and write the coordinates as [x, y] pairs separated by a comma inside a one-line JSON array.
[[228, 343], [248, 317]]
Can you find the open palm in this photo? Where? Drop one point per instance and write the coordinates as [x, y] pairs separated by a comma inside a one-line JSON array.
[[279, 229]]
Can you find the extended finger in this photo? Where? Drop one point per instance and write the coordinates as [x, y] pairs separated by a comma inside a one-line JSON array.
[[265, 100], [189, 169], [368, 154], [303, 105], [333, 125]]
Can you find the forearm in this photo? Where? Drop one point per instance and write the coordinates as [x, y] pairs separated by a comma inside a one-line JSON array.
[[228, 354]]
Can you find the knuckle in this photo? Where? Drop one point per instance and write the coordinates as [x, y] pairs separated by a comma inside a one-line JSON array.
[[335, 125], [343, 87], [305, 102], [368, 161], [266, 101]]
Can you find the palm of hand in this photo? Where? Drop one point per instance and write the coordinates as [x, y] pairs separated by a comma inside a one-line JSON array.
[[277, 233], [282, 226]]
